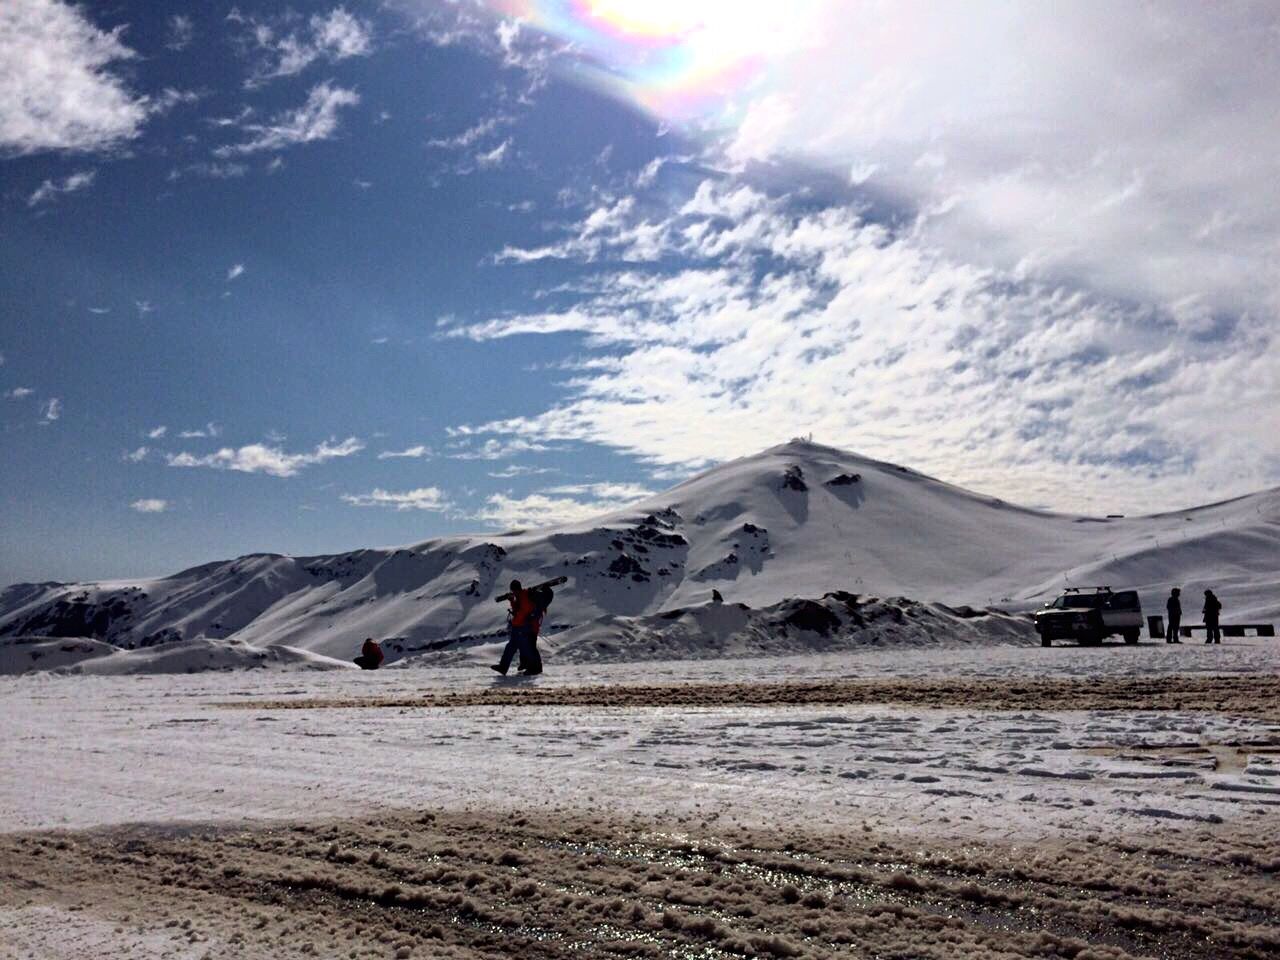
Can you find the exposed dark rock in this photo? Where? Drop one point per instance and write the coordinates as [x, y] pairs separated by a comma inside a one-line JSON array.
[[655, 537], [793, 479], [813, 616], [624, 565]]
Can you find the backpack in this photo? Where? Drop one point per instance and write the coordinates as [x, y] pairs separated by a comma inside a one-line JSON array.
[[541, 597]]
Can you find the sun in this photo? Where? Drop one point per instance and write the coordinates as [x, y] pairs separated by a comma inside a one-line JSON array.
[[680, 59]]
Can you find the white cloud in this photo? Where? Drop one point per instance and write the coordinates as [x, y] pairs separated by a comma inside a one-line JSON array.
[[519, 470], [51, 410], [69, 184], [235, 271], [150, 505], [170, 97], [478, 154], [138, 455], [611, 229], [490, 159], [333, 36], [182, 30], [1125, 149], [155, 433], [56, 88], [18, 393], [423, 498], [621, 492], [413, 453], [472, 135], [213, 171], [208, 430], [317, 119], [144, 306], [260, 458], [772, 319], [557, 506], [494, 449]]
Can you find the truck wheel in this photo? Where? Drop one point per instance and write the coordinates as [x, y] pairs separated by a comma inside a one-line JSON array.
[[1046, 642], [1131, 636]]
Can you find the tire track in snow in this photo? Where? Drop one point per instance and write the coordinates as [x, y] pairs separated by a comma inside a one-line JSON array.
[[552, 885]]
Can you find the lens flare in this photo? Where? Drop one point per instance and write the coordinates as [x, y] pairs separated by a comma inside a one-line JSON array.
[[682, 60]]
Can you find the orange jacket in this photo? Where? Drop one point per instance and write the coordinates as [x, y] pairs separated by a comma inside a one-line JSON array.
[[372, 650], [521, 609]]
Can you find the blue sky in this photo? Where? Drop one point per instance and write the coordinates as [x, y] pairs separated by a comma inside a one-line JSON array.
[[313, 278]]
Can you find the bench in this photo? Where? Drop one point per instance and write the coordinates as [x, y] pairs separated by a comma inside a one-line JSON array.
[[1232, 629]]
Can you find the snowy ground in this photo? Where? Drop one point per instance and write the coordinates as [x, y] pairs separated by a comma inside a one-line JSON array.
[[234, 748]]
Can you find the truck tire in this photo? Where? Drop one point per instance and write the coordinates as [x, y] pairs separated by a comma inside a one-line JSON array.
[[1131, 636], [1046, 642]]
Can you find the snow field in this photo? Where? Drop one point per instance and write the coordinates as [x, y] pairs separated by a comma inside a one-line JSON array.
[[266, 814], [91, 751]]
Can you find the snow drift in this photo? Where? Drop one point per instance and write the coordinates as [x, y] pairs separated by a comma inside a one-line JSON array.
[[87, 656], [796, 521], [840, 621]]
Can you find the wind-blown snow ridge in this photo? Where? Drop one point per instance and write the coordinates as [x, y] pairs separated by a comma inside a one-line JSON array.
[[795, 521]]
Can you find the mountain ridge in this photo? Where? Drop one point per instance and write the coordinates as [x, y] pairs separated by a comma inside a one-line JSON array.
[[796, 520]]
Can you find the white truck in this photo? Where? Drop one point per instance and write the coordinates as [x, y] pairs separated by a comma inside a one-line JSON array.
[[1089, 615]]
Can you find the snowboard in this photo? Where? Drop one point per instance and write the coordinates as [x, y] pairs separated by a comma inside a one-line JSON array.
[[553, 582]]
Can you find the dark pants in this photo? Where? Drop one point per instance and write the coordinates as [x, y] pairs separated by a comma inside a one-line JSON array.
[[521, 640], [1211, 632], [1172, 635], [531, 659], [366, 662]]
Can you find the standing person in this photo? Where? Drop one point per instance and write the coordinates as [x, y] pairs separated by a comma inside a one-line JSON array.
[[1212, 607], [531, 661], [1173, 607], [520, 630]]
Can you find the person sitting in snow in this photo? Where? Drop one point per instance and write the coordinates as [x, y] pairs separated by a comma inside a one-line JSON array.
[[370, 655]]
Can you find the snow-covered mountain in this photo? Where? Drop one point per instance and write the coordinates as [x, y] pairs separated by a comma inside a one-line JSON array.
[[795, 521]]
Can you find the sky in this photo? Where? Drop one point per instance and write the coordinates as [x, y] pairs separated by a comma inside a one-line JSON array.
[[314, 277]]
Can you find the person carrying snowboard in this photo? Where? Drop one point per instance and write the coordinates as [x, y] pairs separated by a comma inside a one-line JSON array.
[[1212, 607], [370, 655], [531, 664], [519, 631], [1173, 607]]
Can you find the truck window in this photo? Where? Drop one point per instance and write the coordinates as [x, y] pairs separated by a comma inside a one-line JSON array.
[[1091, 600]]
